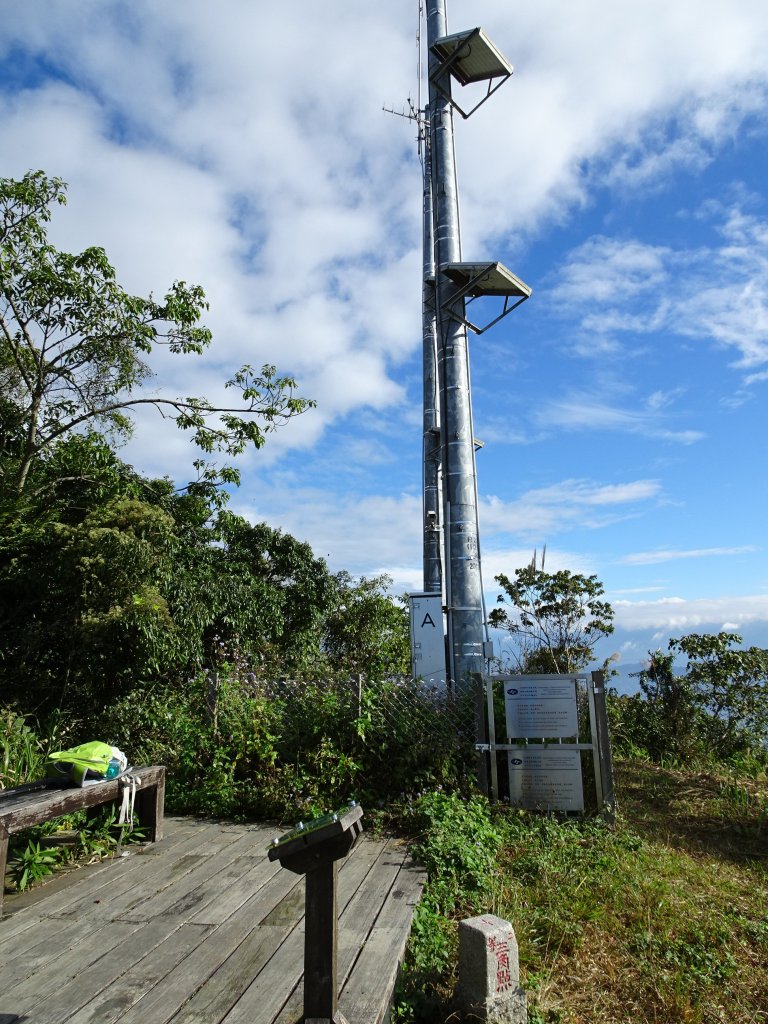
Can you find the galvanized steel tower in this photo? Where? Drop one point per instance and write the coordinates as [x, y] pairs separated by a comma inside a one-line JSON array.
[[451, 533]]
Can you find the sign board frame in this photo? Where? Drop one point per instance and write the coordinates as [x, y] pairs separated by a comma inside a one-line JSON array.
[[593, 687]]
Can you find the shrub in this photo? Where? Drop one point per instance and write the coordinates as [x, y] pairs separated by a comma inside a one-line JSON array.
[[236, 746]]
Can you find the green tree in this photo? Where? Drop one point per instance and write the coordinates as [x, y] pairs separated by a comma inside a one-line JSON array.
[[715, 709], [86, 608], [664, 718], [276, 597], [554, 618], [74, 345], [366, 630], [124, 582], [730, 685]]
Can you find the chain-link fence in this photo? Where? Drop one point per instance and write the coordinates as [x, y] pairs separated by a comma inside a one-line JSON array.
[[308, 742], [237, 743], [397, 729]]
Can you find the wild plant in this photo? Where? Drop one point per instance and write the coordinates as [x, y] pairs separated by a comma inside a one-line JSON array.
[[22, 753]]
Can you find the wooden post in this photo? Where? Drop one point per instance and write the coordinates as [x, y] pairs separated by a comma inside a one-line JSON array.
[[150, 806], [321, 943], [314, 849], [4, 837]]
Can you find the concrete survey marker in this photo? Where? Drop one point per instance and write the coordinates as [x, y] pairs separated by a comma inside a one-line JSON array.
[[489, 971]]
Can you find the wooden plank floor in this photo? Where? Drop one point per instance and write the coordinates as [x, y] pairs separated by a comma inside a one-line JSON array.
[[200, 928]]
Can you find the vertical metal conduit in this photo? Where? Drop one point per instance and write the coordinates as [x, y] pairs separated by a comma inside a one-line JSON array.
[[465, 614]]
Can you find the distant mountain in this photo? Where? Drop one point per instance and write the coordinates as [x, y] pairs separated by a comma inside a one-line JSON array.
[[623, 682]]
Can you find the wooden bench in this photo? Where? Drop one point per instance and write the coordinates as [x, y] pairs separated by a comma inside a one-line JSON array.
[[37, 802]]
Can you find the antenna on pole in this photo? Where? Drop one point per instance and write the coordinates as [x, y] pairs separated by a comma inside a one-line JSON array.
[[412, 114], [534, 560]]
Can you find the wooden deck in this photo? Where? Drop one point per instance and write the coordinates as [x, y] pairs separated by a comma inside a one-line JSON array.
[[200, 929]]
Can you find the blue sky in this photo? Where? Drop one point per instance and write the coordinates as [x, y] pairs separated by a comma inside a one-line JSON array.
[[620, 173]]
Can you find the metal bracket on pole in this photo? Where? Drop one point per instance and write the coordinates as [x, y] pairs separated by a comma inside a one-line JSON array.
[[481, 280], [469, 57]]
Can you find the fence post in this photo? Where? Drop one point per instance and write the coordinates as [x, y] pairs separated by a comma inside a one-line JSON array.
[[602, 742], [212, 700], [481, 733], [491, 725]]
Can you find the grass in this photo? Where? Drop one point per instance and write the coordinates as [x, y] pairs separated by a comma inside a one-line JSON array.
[[660, 920], [663, 919]]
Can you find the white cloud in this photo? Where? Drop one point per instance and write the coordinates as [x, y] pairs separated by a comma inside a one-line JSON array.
[[669, 555], [270, 174], [501, 560], [587, 410], [544, 511], [719, 293], [594, 89], [256, 170], [360, 533], [380, 533], [243, 146], [606, 269], [679, 614], [633, 590]]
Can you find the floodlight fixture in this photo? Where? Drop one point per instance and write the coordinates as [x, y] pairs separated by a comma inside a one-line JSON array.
[[480, 280], [469, 57]]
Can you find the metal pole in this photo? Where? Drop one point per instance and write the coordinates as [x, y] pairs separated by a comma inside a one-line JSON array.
[[603, 745], [464, 611], [432, 511]]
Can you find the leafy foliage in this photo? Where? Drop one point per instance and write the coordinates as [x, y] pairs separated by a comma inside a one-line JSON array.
[[126, 582], [555, 618], [716, 710], [366, 631], [730, 687], [74, 344], [234, 745], [40, 851], [33, 864], [22, 753], [655, 919], [458, 842]]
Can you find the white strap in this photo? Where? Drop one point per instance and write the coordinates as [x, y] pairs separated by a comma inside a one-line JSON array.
[[130, 783]]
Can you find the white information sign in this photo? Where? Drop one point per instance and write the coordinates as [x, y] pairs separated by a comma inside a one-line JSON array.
[[427, 638], [541, 708], [546, 779]]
